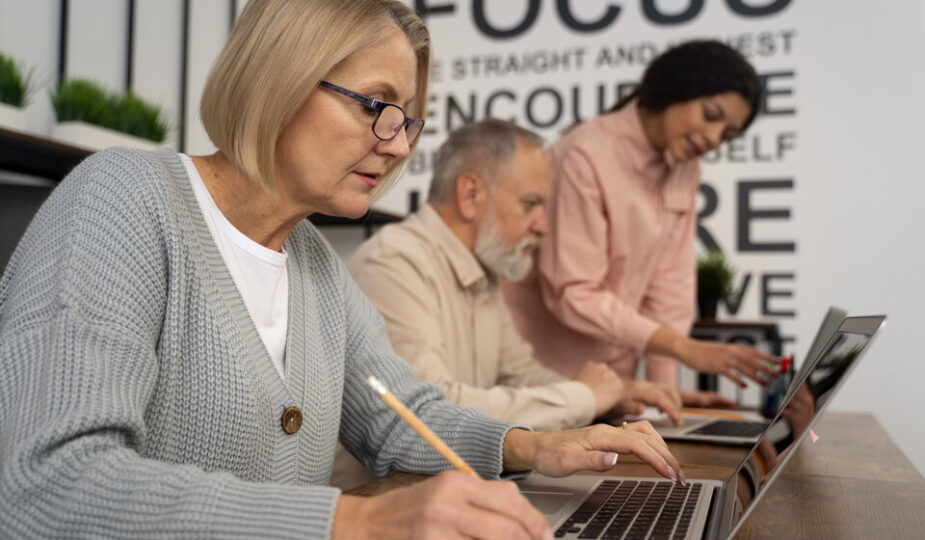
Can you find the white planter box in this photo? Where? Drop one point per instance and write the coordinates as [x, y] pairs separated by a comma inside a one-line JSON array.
[[12, 118], [92, 137]]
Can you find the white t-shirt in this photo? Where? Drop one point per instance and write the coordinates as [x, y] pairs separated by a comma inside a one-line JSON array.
[[259, 273]]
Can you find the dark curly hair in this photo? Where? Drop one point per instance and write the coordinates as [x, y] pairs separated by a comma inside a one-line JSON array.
[[695, 69]]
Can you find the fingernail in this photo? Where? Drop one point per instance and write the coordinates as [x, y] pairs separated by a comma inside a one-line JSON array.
[[672, 474], [610, 459], [547, 534], [683, 478]]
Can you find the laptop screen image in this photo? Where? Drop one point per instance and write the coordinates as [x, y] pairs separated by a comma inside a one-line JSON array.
[[824, 375]]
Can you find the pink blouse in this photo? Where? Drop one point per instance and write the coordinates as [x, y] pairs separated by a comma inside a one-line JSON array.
[[618, 261]]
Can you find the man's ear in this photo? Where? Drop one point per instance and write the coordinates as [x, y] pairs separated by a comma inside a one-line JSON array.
[[471, 196]]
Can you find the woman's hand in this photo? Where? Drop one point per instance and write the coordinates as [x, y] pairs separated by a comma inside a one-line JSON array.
[[727, 359], [451, 505], [638, 394], [593, 448], [709, 357]]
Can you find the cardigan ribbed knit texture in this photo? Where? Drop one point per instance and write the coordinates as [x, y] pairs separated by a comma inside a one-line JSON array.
[[137, 399]]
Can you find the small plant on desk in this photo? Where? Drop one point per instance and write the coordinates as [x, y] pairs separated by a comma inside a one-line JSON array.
[[714, 282]]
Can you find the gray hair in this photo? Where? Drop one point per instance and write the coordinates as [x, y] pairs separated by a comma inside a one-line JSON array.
[[479, 147]]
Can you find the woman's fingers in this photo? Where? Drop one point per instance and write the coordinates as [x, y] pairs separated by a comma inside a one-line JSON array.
[[730, 373], [599, 461], [504, 499], [733, 362], [641, 439], [755, 361], [646, 428], [748, 362], [488, 524], [492, 509], [658, 457]]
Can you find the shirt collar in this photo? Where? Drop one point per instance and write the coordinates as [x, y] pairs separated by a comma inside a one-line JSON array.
[[469, 272], [657, 168], [644, 157]]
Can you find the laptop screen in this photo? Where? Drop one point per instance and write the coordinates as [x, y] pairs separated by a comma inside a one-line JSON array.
[[823, 376], [830, 324]]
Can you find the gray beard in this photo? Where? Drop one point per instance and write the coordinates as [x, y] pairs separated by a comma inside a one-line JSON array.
[[501, 260]]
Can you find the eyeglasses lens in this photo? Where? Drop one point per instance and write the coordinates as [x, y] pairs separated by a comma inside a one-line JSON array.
[[391, 120]]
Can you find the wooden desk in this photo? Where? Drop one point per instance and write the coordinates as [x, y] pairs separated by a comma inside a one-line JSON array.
[[853, 483]]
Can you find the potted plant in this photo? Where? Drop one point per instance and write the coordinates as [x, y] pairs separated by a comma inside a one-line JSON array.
[[14, 94], [91, 117], [714, 282]]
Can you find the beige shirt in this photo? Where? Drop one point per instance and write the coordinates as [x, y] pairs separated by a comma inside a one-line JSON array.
[[448, 319]]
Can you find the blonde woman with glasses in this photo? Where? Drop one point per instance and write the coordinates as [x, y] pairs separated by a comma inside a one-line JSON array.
[[181, 350]]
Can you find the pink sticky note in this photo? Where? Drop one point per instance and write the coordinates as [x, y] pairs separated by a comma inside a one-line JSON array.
[[813, 435]]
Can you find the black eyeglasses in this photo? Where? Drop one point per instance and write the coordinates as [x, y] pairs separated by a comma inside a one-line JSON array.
[[390, 118]]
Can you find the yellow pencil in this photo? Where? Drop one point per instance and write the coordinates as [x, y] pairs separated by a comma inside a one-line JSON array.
[[415, 422]]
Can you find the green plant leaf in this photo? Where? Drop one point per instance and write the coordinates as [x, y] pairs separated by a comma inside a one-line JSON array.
[[86, 101], [714, 275], [14, 83]]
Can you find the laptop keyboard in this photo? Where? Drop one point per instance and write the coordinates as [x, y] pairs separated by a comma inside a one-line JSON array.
[[629, 509], [732, 428]]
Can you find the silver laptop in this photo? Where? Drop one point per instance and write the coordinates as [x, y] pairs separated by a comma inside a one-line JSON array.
[[617, 507], [744, 427]]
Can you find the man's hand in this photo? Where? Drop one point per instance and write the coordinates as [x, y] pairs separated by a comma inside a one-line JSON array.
[[451, 505], [604, 383], [638, 394], [706, 400], [592, 448]]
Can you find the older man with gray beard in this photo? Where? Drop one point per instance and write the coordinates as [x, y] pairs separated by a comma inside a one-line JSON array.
[[434, 278]]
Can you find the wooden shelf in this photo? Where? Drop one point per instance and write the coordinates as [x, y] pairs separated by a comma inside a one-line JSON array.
[[52, 160], [35, 156]]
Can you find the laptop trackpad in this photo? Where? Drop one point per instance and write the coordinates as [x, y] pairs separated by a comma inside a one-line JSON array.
[[547, 502]]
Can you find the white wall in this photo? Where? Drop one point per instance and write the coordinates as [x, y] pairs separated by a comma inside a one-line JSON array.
[[28, 33], [98, 26], [857, 83], [158, 52], [860, 203]]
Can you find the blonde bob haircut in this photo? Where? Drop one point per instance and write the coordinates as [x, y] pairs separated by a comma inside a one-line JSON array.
[[277, 53]]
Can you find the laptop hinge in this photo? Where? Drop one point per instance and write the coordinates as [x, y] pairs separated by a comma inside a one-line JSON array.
[[713, 515]]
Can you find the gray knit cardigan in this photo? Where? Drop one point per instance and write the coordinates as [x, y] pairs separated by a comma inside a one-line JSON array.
[[137, 399]]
